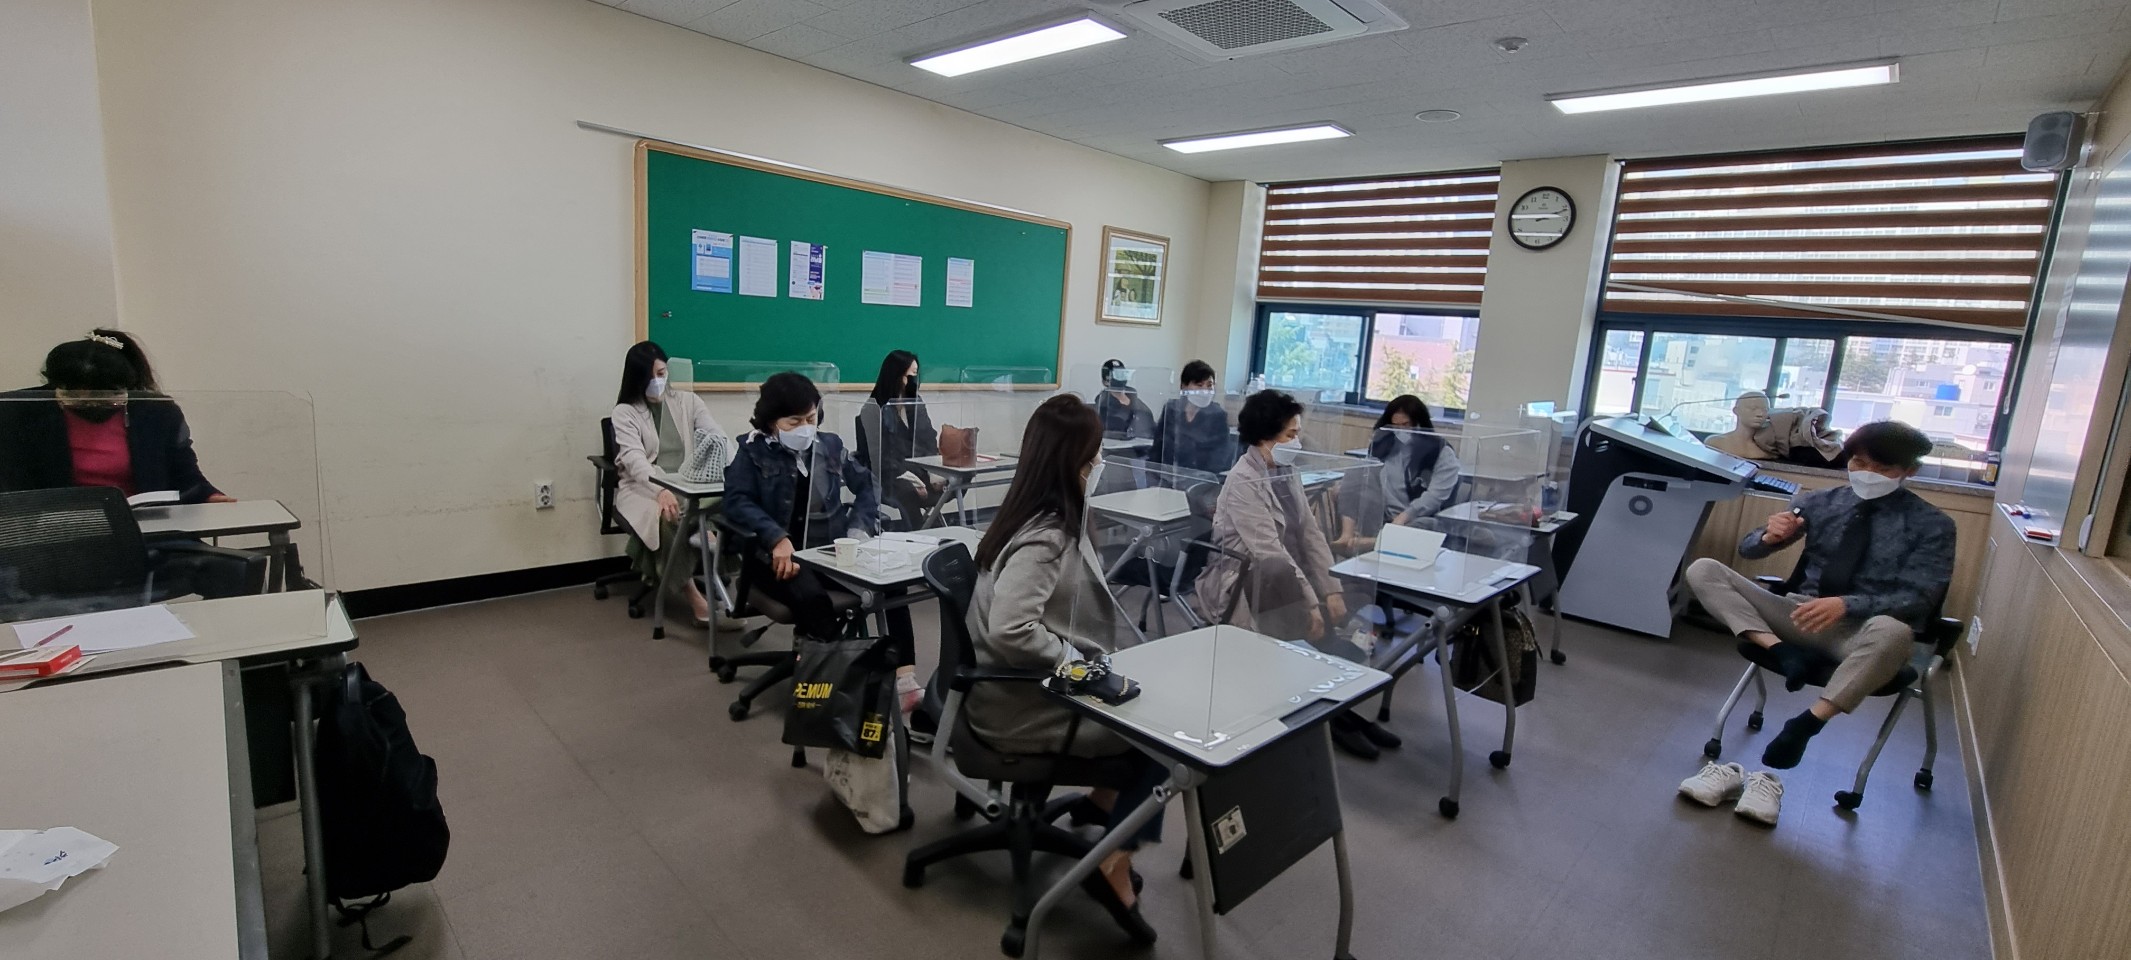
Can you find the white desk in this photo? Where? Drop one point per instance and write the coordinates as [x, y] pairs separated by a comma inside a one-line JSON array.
[[153, 762], [1458, 588], [202, 521], [1150, 512], [907, 571], [1545, 586], [695, 500], [961, 480]]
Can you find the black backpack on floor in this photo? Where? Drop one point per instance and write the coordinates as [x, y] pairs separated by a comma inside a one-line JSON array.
[[377, 797]]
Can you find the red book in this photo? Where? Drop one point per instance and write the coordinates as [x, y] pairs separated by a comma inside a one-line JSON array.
[[39, 662]]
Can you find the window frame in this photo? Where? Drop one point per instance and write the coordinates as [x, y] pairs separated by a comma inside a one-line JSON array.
[[1783, 331], [1357, 392]]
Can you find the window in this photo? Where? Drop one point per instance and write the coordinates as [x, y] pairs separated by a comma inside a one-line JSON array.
[[1352, 354], [1406, 239], [1427, 355], [1950, 388]]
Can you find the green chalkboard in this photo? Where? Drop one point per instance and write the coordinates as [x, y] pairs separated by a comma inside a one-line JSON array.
[[1017, 295]]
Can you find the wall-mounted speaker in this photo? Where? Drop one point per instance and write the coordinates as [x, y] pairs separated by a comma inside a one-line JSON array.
[[2053, 141]]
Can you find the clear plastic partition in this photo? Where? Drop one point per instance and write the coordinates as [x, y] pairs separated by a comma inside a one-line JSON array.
[[712, 374], [1452, 515], [122, 499], [941, 461], [1128, 398], [1196, 433], [1005, 378], [1223, 624]]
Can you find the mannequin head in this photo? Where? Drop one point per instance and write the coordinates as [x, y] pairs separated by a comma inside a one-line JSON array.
[[1751, 409]]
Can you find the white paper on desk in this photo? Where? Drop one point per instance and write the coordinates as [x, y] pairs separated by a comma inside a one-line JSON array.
[[1409, 546], [35, 862], [109, 630]]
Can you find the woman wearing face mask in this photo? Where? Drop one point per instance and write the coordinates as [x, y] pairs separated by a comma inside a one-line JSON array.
[[1040, 602], [1419, 475], [92, 426], [1194, 428], [1124, 415], [893, 427], [654, 433], [1287, 591], [790, 488]]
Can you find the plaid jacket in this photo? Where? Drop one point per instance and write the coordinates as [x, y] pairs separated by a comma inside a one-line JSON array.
[[1906, 568]]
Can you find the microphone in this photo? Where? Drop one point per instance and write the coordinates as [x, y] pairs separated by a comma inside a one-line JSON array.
[[1689, 403]]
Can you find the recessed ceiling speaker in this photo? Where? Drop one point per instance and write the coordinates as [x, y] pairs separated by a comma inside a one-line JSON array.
[[1217, 30], [2053, 142]]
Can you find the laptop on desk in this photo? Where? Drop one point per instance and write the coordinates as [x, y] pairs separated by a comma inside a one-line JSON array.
[[1409, 546]]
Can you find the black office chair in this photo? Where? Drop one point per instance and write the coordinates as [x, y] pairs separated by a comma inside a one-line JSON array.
[[1026, 821], [1934, 642], [68, 550], [611, 523], [748, 602]]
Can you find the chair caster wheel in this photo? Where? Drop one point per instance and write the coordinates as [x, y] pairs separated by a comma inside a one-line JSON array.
[[727, 673], [1011, 942], [1923, 779], [1448, 808], [599, 591], [1713, 749], [1558, 657], [799, 762], [1847, 800], [913, 876], [658, 633], [1500, 759], [1753, 720], [738, 711], [964, 809], [636, 611]]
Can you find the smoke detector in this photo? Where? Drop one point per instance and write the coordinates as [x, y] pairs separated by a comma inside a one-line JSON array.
[[1229, 29]]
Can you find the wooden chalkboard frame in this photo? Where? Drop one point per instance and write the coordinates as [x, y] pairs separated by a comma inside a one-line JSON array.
[[644, 147]]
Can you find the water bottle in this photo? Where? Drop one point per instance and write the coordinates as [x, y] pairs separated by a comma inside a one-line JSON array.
[[1254, 384]]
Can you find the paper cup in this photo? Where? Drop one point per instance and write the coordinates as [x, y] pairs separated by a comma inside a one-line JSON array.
[[846, 550]]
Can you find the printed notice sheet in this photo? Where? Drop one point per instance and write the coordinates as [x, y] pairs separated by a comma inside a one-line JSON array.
[[876, 277], [909, 281], [712, 257], [961, 282], [758, 267], [805, 270]]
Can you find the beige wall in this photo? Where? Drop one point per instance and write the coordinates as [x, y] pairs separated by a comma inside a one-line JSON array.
[[387, 205], [1228, 278], [1536, 310], [55, 217]]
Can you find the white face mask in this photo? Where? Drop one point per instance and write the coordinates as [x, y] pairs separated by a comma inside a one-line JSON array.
[[1872, 486], [1199, 398], [655, 389], [1286, 453], [797, 440]]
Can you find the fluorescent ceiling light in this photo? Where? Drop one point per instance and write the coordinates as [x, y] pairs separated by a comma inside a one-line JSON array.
[[1041, 42], [1258, 138], [1817, 78]]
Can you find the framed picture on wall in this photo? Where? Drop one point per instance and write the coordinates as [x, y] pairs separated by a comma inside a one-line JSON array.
[[1133, 268]]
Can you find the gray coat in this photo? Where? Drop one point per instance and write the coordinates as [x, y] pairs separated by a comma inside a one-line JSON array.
[[1040, 605], [1290, 560]]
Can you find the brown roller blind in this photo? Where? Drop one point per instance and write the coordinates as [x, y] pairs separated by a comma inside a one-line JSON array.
[[1941, 231], [1411, 239]]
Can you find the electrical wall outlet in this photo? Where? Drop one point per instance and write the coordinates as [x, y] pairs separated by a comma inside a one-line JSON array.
[[543, 495]]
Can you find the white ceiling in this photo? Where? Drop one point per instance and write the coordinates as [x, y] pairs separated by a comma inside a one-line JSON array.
[[1968, 66]]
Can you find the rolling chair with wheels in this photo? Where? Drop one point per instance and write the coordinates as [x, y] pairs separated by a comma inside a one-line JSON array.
[[748, 602], [69, 550], [1024, 821], [1934, 643], [611, 523]]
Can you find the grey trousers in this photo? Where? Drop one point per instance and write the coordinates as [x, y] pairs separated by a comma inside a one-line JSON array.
[[1872, 651]]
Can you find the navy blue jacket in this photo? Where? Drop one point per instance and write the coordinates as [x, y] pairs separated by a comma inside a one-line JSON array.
[[1202, 443], [35, 454], [763, 479]]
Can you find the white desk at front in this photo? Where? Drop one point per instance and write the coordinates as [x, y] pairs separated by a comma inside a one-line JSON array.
[[155, 762], [203, 521]]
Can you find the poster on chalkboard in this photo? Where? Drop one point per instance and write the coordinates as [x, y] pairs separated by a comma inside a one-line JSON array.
[[713, 259]]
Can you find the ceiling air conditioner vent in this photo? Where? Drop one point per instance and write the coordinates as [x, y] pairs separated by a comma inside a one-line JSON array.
[[1228, 29]]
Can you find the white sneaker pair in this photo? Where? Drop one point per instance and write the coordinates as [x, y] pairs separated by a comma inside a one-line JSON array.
[[1759, 794]]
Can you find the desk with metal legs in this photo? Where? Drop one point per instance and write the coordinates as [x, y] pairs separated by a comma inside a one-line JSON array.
[[696, 499]]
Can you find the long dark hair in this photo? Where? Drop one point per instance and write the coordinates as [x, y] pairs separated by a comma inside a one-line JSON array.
[[130, 345], [1409, 405], [89, 365], [889, 385], [1063, 436], [636, 371]]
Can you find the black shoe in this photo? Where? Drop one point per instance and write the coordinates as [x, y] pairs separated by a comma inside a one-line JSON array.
[[1085, 813], [1352, 741], [1380, 735], [1128, 918]]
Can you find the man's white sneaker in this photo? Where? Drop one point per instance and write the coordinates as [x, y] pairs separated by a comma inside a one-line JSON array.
[[1762, 799], [1717, 783]]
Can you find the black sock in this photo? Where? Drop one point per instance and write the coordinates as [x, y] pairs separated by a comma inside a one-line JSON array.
[[1788, 747], [1795, 663]]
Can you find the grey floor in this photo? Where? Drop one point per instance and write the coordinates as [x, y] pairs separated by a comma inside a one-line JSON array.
[[602, 805]]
